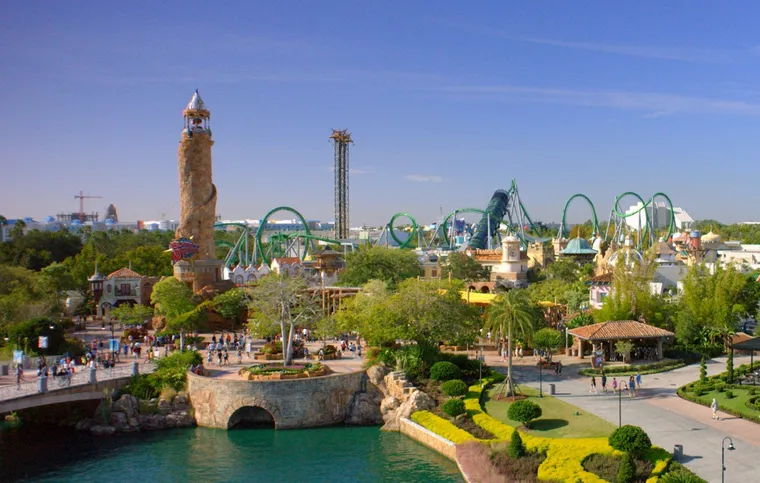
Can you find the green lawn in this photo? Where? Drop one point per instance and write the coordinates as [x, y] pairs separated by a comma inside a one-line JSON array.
[[558, 419], [735, 404]]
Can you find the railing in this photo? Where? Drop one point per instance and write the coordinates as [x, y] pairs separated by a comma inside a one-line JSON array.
[[82, 377]]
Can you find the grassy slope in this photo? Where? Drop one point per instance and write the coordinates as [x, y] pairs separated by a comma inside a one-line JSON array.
[[558, 420]]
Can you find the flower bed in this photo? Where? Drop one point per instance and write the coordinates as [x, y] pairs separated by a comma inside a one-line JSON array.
[[563, 456], [262, 372]]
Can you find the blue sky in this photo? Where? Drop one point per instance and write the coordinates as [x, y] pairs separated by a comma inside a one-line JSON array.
[[447, 101]]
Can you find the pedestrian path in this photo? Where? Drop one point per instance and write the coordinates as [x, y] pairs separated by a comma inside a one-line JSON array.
[[668, 419]]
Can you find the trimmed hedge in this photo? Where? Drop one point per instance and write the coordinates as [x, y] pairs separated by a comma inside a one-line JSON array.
[[630, 439], [454, 388], [445, 371], [453, 407], [643, 369]]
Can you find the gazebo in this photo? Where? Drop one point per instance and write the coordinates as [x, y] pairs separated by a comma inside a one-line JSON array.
[[603, 336]]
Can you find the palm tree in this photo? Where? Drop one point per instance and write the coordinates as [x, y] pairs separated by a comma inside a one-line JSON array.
[[511, 313]]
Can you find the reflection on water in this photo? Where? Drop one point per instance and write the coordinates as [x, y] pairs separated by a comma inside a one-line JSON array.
[[337, 454]]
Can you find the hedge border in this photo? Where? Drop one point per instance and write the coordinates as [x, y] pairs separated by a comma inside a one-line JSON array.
[[685, 392], [631, 370]]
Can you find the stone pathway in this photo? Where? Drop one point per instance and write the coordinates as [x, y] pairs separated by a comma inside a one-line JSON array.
[[668, 419]]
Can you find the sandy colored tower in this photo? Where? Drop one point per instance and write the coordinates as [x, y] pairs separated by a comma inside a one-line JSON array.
[[197, 197]]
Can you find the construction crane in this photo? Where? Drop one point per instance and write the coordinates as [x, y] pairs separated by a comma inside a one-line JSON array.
[[81, 197]]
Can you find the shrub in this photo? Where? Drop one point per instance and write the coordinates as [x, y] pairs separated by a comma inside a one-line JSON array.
[[679, 474], [630, 439], [699, 391], [524, 411], [454, 387], [516, 446], [445, 371], [751, 392], [703, 370], [143, 387], [729, 395], [453, 407], [720, 387], [627, 471]]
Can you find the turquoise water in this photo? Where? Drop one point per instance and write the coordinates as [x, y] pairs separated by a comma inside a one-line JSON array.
[[337, 454]]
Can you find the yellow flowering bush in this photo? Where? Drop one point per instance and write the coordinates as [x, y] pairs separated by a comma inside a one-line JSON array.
[[441, 427], [564, 457]]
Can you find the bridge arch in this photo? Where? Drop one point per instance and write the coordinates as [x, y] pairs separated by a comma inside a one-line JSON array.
[[250, 417]]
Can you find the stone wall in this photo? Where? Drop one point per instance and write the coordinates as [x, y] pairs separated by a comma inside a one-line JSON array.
[[295, 403], [428, 438]]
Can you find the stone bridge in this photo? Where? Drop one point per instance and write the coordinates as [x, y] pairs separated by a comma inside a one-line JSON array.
[[288, 404], [87, 384]]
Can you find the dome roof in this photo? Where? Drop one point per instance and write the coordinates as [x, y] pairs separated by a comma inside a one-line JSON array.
[[711, 237], [578, 246], [511, 238], [196, 103]]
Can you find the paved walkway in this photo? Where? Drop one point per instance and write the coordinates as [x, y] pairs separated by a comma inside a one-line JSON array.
[[668, 419]]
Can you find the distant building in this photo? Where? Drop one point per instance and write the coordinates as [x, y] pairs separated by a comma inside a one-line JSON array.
[[111, 213], [658, 213], [124, 286]]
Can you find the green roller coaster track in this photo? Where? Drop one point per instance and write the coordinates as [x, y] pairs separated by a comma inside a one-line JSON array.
[[445, 231], [412, 236], [561, 234], [649, 228], [283, 239]]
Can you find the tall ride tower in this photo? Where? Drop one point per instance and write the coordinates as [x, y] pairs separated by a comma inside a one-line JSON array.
[[341, 140], [196, 264]]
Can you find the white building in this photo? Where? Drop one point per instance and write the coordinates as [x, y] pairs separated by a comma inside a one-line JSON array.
[[659, 214]]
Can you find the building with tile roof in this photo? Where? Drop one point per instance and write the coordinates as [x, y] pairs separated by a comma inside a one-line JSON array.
[[604, 335], [123, 286]]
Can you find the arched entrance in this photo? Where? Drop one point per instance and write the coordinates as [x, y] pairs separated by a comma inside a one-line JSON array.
[[250, 417]]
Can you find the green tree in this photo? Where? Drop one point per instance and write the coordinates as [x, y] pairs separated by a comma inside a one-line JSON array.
[[702, 370], [174, 300], [624, 348], [132, 314], [379, 263], [524, 411], [422, 311], [711, 304], [463, 267], [730, 366], [548, 340], [232, 304], [512, 314], [281, 300]]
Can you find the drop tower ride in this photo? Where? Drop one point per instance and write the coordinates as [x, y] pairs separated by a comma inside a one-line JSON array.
[[341, 140]]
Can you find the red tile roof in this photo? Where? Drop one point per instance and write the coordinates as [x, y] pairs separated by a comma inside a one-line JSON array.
[[288, 260], [619, 329], [124, 273]]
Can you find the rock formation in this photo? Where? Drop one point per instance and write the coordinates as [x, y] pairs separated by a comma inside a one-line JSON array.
[[124, 416], [396, 396]]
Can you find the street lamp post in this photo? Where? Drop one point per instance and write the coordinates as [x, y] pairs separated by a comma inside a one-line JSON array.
[[620, 407], [723, 456], [540, 379]]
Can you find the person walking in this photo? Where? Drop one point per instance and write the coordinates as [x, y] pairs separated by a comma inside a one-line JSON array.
[[593, 385], [631, 386], [638, 380], [714, 407], [19, 376], [614, 385], [559, 366], [604, 382]]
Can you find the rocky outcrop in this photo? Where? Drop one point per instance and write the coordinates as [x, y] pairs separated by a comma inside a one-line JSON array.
[[402, 400], [124, 416]]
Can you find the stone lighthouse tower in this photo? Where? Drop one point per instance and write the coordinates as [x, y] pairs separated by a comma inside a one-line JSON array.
[[197, 200]]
